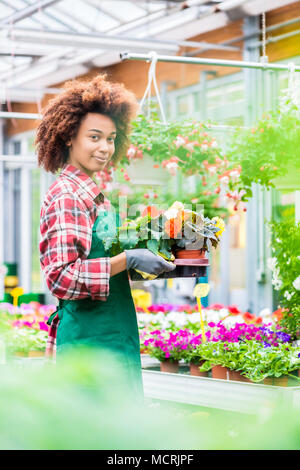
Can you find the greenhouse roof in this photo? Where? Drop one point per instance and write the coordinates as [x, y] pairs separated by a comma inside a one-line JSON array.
[[45, 42]]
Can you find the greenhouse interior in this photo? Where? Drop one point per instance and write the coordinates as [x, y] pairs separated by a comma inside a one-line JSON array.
[[150, 265]]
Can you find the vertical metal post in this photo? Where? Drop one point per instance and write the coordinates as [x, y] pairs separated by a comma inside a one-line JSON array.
[[251, 26], [260, 86], [23, 232], [10, 252], [1, 215]]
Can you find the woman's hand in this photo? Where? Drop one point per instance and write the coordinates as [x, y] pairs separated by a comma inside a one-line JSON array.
[[146, 261]]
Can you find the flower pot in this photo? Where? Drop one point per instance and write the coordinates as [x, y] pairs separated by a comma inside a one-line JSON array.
[[169, 366], [219, 372], [141, 171], [277, 381], [237, 376], [194, 370], [36, 353], [190, 254]]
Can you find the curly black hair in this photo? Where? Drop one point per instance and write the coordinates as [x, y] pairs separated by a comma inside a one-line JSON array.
[[64, 113]]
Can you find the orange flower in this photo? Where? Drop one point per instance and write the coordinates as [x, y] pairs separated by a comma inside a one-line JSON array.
[[150, 210], [173, 227]]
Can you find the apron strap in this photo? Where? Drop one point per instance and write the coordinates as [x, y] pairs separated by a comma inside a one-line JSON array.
[[53, 315]]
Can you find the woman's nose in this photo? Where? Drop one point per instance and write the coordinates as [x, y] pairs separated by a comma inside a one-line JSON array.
[[103, 145]]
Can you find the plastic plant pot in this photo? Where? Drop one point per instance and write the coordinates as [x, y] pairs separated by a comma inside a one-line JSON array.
[[219, 372], [194, 370], [237, 376], [169, 366]]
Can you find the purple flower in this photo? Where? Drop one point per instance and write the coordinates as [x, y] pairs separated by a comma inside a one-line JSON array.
[[266, 345]]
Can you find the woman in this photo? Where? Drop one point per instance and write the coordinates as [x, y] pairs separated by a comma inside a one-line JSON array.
[[82, 131]]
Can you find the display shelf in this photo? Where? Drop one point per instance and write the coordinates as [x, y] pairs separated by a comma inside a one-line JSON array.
[[225, 395]]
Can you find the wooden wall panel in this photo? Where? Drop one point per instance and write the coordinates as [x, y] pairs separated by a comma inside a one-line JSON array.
[[134, 73]]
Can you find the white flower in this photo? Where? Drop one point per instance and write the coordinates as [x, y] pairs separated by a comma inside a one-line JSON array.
[[264, 312], [179, 141], [234, 175], [214, 144], [287, 295], [296, 283], [278, 240], [171, 214], [204, 146], [277, 283], [271, 263], [224, 180], [288, 261], [190, 146]]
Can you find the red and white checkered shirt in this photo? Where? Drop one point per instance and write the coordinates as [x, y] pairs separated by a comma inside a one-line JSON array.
[[68, 213]]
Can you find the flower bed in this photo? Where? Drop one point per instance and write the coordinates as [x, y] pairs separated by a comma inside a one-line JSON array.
[[243, 352], [24, 330]]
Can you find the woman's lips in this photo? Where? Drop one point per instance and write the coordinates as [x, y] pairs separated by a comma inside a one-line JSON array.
[[101, 160]]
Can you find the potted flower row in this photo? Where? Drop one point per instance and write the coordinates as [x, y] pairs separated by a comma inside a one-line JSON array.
[[244, 353], [249, 361]]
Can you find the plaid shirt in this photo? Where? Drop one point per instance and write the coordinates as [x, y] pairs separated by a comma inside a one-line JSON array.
[[68, 213]]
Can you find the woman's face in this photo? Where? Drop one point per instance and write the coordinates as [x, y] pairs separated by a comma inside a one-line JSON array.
[[94, 144]]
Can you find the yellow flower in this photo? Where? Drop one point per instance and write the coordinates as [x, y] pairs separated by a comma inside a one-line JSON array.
[[220, 224]]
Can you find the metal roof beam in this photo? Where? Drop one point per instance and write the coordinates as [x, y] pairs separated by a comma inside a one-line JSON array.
[[108, 41], [26, 12]]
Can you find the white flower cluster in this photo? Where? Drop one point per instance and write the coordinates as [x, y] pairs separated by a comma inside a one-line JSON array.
[[272, 265], [296, 283], [181, 319]]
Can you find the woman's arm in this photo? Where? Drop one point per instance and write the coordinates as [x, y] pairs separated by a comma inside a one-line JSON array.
[[66, 230], [117, 264]]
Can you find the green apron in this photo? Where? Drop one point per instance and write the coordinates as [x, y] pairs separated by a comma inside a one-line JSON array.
[[109, 325]]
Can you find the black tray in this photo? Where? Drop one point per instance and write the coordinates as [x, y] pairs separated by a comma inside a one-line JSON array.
[[184, 268]]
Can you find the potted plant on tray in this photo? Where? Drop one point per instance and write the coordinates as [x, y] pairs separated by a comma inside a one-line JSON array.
[[178, 234]]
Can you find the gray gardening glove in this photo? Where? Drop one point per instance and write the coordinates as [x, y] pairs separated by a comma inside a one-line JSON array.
[[144, 260]]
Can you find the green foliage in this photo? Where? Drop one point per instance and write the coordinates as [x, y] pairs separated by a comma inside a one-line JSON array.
[[23, 340], [78, 404], [267, 151], [250, 358], [163, 141], [285, 265]]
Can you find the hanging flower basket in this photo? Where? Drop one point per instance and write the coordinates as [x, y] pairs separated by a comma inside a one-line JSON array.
[[144, 171]]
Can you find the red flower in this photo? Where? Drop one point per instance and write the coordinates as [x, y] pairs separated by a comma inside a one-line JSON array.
[[248, 316], [234, 310]]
